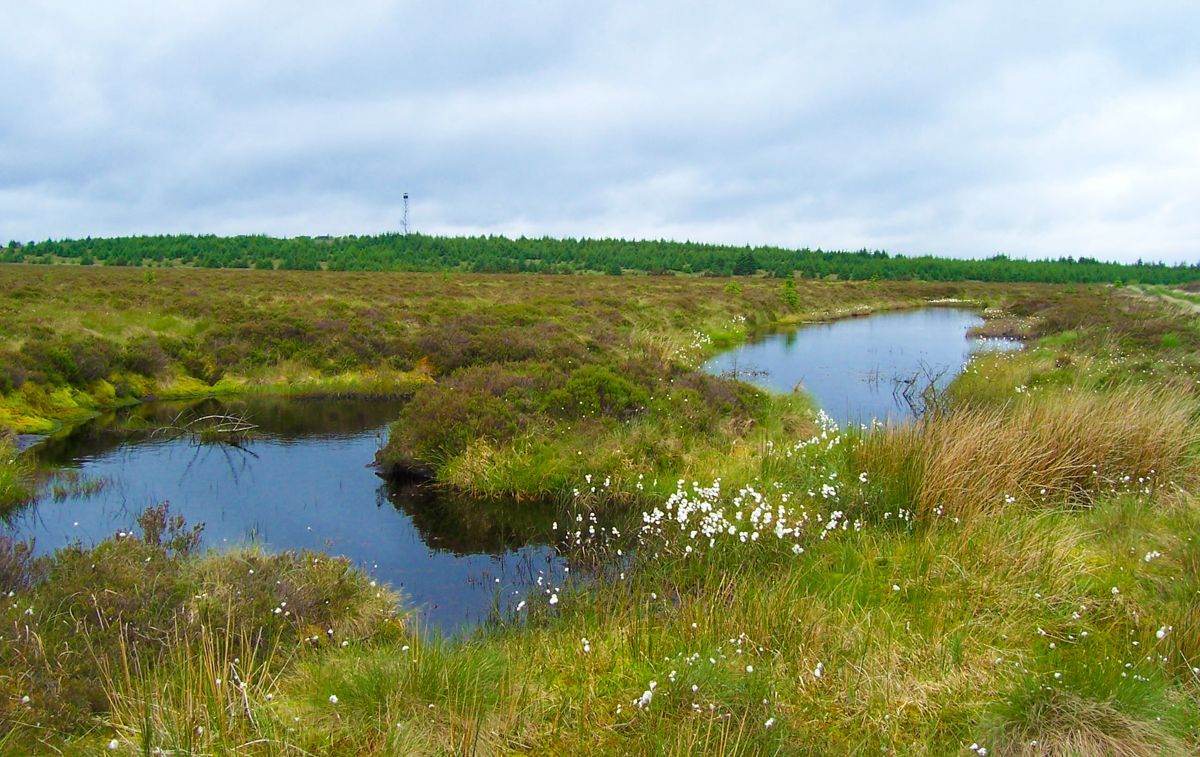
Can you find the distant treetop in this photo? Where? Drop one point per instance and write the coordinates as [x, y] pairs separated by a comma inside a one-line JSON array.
[[419, 252]]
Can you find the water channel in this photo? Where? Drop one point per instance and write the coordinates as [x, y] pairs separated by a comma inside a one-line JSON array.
[[303, 480], [851, 366]]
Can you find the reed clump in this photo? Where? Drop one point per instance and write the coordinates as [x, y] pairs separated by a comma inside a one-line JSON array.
[[1062, 448], [15, 480]]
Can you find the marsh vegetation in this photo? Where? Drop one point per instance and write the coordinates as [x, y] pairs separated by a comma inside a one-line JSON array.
[[1018, 574]]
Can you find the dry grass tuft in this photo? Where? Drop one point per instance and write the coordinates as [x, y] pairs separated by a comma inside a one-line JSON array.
[[1065, 448], [1069, 725]]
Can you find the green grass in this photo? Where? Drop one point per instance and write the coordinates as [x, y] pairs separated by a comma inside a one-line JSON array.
[[1175, 293], [949, 601], [16, 484], [509, 374], [954, 656]]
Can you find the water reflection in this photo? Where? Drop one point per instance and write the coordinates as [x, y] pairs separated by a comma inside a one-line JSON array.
[[850, 367], [302, 481], [463, 525]]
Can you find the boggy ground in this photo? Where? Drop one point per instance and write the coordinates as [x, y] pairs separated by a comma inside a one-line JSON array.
[[491, 359], [71, 339], [1017, 574]]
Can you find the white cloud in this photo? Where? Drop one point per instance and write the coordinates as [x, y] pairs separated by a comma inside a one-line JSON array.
[[956, 128]]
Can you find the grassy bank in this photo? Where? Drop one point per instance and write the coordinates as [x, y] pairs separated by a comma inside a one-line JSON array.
[[647, 417], [1017, 574], [140, 621]]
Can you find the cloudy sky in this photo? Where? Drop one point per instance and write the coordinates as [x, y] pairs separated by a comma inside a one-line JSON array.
[[959, 128]]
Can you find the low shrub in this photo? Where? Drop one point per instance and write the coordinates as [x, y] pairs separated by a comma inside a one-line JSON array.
[[595, 390], [492, 402], [144, 355]]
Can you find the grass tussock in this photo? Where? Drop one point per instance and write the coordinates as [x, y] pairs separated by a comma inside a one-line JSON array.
[[89, 632], [16, 477], [1062, 449], [1063, 724]]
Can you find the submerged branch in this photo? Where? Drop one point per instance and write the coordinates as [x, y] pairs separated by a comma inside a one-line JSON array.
[[218, 428]]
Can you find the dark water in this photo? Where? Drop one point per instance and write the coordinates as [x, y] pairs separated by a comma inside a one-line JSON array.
[[850, 367], [303, 481]]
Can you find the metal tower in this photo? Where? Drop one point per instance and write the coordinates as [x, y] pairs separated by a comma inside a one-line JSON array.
[[406, 212]]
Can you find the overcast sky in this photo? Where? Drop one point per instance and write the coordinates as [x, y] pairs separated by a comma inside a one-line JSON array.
[[958, 128]]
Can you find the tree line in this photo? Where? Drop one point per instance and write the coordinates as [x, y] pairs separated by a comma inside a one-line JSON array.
[[498, 254]]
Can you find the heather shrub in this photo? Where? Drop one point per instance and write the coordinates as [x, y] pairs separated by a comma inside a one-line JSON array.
[[19, 568], [144, 355], [595, 390], [12, 373], [475, 339], [193, 358], [51, 362], [490, 402], [92, 357]]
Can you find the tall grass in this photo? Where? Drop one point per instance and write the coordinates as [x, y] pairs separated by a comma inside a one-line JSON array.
[[156, 640], [207, 690], [16, 485], [1053, 449]]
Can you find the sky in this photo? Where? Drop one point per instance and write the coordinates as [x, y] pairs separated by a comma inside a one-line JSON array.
[[960, 128]]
